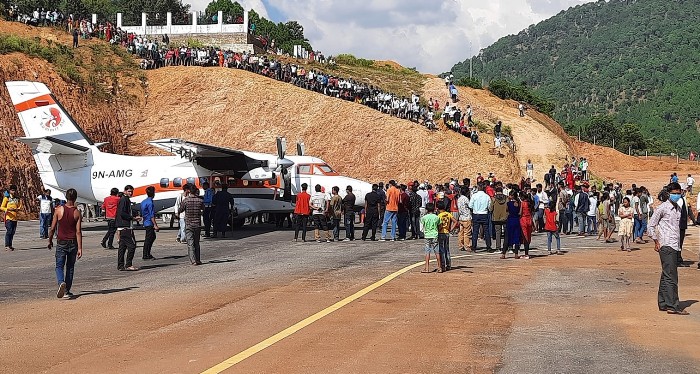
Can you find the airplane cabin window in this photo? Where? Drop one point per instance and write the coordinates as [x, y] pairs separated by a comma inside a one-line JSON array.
[[304, 169], [326, 168], [203, 180], [177, 182], [231, 182], [191, 180], [164, 182]]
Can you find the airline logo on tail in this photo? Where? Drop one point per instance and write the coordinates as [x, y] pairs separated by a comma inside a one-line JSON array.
[[51, 120]]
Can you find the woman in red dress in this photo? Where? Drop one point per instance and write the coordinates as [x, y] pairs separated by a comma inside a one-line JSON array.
[[526, 221]]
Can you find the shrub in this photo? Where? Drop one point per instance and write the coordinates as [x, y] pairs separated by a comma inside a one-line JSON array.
[[469, 82]]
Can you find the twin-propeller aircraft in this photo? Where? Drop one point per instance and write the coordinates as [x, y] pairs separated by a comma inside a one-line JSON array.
[[67, 158]]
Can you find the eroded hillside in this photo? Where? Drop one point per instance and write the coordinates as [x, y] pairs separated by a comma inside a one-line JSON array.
[[237, 109]]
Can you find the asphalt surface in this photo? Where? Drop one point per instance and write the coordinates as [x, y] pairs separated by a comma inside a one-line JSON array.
[[549, 334]]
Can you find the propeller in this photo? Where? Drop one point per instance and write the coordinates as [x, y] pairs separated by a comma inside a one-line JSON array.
[[282, 164], [301, 149]]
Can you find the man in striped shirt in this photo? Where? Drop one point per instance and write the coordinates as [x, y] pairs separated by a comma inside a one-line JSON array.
[[193, 206]]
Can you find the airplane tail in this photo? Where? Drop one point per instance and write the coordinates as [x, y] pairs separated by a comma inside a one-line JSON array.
[[45, 122]]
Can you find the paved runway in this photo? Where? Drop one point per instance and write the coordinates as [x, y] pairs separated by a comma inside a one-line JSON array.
[[510, 316]]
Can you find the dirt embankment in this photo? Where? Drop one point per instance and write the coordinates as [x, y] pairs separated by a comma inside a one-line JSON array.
[[103, 122], [237, 109]]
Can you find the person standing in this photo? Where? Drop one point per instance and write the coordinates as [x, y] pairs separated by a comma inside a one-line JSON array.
[[465, 220], [625, 232], [526, 224], [403, 211], [480, 205], [372, 200], [551, 221], [349, 213], [223, 204], [124, 222], [319, 206], [149, 222], [45, 213], [67, 220], [530, 170], [682, 226], [382, 201], [665, 232], [690, 181], [180, 238], [11, 204], [416, 201], [581, 206], [513, 229], [109, 205], [447, 224], [75, 38], [392, 210], [431, 223], [208, 210], [499, 219], [335, 211], [301, 212], [193, 207]]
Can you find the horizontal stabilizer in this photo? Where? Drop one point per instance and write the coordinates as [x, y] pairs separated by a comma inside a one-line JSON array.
[[49, 144]]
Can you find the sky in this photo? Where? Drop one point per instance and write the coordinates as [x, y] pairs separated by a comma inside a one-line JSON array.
[[430, 35]]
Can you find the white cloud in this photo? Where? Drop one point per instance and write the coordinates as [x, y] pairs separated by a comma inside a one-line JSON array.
[[257, 5], [430, 35]]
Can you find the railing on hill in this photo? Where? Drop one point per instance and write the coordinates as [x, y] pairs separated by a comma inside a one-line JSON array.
[[194, 28]]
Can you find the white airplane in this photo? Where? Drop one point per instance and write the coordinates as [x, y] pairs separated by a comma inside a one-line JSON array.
[[67, 158]]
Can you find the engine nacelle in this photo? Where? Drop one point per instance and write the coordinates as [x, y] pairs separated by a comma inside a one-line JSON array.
[[258, 174]]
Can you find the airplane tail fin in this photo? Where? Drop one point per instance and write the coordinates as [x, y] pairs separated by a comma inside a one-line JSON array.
[[42, 116]]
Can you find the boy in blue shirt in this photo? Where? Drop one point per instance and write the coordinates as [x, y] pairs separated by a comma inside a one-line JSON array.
[[149, 222]]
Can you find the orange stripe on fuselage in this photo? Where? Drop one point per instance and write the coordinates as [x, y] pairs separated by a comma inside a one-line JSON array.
[[36, 102]]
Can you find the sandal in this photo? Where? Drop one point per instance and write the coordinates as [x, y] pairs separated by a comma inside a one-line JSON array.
[[131, 268], [678, 312], [425, 271]]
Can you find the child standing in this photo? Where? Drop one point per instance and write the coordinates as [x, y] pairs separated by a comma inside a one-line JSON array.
[[447, 224], [551, 226], [430, 223]]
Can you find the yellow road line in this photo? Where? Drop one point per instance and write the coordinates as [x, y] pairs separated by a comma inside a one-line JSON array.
[[309, 320]]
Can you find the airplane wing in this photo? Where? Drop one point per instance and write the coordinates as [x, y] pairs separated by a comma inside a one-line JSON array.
[[49, 144], [217, 159]]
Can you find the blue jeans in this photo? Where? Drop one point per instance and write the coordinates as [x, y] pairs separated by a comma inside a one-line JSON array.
[[66, 253], [11, 227], [592, 225], [481, 221], [582, 217], [349, 225], [403, 225], [44, 224], [389, 216], [444, 248], [640, 226], [549, 240]]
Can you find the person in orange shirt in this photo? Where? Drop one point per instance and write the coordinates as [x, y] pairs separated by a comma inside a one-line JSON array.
[[301, 212], [221, 58], [392, 210]]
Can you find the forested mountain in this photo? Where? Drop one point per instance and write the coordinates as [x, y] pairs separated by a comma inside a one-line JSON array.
[[620, 61]]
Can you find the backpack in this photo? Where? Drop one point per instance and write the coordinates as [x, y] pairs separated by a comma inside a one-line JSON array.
[[583, 203], [644, 204]]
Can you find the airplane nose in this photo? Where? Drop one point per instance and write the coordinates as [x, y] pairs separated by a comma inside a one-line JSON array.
[[285, 162]]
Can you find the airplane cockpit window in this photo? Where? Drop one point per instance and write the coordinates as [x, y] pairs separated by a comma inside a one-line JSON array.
[[317, 170], [325, 168], [304, 169], [177, 182], [191, 180], [164, 182]]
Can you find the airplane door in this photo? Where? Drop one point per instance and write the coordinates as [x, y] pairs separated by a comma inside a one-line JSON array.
[[307, 180]]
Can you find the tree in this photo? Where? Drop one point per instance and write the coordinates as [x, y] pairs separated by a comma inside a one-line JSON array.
[[296, 31], [601, 129], [230, 8], [630, 136]]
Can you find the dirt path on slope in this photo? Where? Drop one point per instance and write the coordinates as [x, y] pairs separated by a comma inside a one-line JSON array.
[[533, 140]]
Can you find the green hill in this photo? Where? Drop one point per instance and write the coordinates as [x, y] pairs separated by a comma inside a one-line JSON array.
[[626, 62]]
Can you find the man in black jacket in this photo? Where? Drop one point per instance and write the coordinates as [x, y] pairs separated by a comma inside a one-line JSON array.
[[124, 220]]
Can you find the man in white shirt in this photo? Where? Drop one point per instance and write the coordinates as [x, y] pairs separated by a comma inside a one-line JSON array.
[[543, 203], [689, 183], [529, 168], [45, 211], [319, 206]]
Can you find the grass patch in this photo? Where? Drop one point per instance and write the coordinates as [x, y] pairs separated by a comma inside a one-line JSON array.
[[94, 67]]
